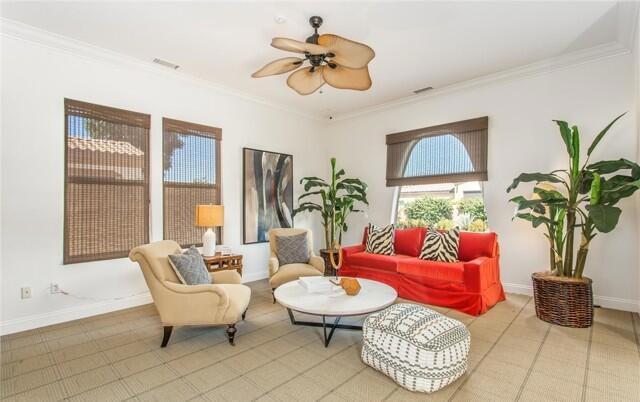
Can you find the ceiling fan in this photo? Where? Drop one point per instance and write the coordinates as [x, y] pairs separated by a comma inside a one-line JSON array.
[[340, 62]]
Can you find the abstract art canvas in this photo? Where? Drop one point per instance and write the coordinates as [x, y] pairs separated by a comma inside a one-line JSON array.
[[267, 193]]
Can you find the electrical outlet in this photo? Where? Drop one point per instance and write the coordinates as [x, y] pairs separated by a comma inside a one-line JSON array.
[[54, 288], [26, 293]]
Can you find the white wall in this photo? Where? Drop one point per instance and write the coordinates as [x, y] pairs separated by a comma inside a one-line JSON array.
[[36, 79], [522, 138]]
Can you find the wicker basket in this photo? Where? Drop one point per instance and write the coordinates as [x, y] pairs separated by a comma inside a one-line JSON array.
[[563, 301]]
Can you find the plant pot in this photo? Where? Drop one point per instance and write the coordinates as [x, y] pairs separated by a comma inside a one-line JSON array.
[[328, 268], [563, 301]]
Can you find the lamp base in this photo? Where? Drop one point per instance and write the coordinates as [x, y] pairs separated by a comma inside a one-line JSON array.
[[209, 243]]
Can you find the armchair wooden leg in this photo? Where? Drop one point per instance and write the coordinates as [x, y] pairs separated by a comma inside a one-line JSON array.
[[167, 335], [231, 333]]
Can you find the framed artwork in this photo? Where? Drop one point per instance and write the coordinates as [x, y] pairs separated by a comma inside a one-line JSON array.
[[267, 193]]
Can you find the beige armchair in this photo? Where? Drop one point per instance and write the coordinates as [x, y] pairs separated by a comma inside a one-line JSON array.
[[224, 302], [279, 274]]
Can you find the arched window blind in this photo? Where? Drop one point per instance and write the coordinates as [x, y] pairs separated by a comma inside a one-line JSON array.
[[447, 153], [191, 159], [106, 198]]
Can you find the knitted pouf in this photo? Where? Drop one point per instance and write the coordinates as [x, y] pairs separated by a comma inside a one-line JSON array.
[[420, 349]]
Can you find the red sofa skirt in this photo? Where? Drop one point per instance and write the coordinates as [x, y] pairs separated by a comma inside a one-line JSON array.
[[445, 294]]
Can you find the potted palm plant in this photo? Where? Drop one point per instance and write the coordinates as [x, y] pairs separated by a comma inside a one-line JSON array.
[[338, 199], [581, 198]]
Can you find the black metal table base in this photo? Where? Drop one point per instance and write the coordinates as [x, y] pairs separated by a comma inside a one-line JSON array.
[[324, 326]]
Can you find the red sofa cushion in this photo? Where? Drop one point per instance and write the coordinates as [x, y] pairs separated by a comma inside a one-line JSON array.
[[376, 261], [409, 241], [432, 270], [473, 245]]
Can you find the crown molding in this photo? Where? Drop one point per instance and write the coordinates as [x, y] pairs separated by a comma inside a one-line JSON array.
[[17, 30], [546, 66], [627, 22]]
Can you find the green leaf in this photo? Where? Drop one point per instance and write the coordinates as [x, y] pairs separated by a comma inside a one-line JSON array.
[[601, 135], [604, 217], [536, 220], [536, 177], [594, 196], [549, 195], [575, 147], [565, 132], [309, 194], [606, 167]]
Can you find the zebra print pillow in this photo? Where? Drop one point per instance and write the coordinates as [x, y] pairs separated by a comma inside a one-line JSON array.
[[380, 240], [441, 246]]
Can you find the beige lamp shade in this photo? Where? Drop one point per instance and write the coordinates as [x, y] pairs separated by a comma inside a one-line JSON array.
[[209, 216]]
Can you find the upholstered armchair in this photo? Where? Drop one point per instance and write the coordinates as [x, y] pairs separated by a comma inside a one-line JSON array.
[[224, 302], [280, 274]]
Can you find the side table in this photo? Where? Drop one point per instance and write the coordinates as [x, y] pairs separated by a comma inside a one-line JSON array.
[[221, 262]]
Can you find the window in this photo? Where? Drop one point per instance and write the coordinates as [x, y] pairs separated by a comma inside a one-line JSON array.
[[106, 181], [439, 172], [191, 159]]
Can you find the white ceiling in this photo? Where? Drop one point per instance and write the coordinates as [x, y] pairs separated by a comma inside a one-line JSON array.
[[417, 44]]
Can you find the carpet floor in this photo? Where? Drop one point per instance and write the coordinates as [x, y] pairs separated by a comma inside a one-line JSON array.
[[117, 356]]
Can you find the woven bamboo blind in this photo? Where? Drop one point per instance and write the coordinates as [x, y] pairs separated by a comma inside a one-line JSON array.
[[106, 181], [191, 158], [447, 153]]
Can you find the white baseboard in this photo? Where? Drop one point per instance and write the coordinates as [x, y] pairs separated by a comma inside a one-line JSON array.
[[71, 313], [88, 310], [614, 303]]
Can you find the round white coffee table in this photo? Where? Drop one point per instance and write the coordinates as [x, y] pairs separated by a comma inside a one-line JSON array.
[[373, 296]]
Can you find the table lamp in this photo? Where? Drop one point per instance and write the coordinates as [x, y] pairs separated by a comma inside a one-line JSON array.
[[209, 216]]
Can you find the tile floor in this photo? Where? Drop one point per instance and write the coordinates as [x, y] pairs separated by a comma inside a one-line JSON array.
[[116, 356]]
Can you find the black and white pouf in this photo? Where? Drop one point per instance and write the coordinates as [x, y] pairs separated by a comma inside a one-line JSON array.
[[420, 349]]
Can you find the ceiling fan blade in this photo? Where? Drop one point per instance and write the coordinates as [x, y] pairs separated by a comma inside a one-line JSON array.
[[347, 53], [347, 78], [279, 66], [305, 81], [293, 45]]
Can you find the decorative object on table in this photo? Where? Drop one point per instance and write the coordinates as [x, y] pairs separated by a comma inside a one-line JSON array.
[[209, 216], [224, 250], [267, 193], [351, 286], [581, 197], [224, 262], [338, 199], [316, 284], [340, 62], [374, 297], [441, 246], [189, 267], [292, 249], [283, 273], [180, 304], [420, 349], [380, 239]]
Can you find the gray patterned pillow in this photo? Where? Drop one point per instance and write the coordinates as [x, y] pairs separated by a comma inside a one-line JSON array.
[[292, 249], [190, 268]]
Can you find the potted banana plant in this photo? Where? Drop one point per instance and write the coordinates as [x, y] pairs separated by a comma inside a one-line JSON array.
[[579, 199], [338, 198]]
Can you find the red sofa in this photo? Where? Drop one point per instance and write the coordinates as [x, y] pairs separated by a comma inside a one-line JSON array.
[[471, 285]]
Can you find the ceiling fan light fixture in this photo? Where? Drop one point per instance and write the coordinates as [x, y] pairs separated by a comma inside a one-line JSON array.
[[340, 62]]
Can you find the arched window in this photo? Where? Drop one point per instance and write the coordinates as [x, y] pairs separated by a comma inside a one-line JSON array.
[[438, 172], [438, 156]]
